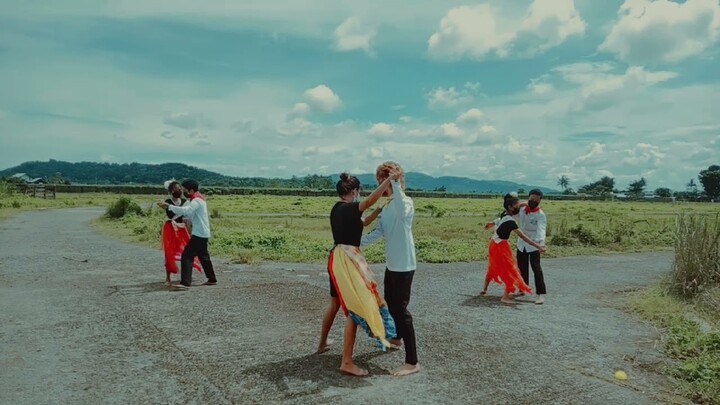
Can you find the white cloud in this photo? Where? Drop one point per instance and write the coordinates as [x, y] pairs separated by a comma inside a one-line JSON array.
[[381, 129], [487, 129], [605, 90], [471, 115], [468, 32], [474, 32], [352, 35], [539, 88], [451, 130], [552, 21], [300, 109], [398, 107], [651, 31], [376, 152], [406, 119], [442, 97], [167, 135], [595, 155], [105, 157], [323, 98], [187, 120], [644, 154]]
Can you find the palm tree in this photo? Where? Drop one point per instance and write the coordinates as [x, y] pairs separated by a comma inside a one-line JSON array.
[[691, 186], [563, 182]]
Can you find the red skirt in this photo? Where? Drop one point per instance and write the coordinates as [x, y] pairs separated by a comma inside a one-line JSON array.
[[174, 240], [502, 268]]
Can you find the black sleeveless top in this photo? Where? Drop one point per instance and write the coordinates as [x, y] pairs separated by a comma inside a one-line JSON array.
[[170, 214]]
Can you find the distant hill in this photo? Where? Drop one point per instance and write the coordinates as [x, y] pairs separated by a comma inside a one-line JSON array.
[[140, 173]]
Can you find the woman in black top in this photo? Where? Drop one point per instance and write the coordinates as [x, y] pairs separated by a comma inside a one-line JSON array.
[[502, 267], [352, 283]]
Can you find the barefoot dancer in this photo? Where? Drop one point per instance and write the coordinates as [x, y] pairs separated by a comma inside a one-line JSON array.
[[334, 305], [395, 225], [174, 233], [351, 278], [501, 265]]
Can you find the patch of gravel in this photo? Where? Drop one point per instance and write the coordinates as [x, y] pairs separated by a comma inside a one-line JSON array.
[[86, 319]]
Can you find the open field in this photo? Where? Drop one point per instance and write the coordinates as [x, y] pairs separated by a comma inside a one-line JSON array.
[[296, 229]]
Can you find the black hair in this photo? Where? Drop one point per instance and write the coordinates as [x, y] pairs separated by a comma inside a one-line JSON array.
[[508, 201], [536, 191], [171, 185], [346, 184], [191, 184]]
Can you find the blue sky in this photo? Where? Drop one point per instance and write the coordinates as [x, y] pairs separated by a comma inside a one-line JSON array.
[[523, 90]]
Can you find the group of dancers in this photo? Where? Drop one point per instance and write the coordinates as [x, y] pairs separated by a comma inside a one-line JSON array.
[[353, 288]]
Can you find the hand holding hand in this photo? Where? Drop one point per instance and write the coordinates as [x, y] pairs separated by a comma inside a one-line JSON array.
[[163, 205]]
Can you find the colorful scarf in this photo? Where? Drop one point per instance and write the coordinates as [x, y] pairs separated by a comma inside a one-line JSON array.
[[358, 294]]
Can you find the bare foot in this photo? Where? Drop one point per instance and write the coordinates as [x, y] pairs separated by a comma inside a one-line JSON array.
[[506, 301], [353, 370], [324, 347], [168, 283], [406, 369]]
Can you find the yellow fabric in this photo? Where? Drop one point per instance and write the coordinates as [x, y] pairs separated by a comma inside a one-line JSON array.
[[357, 289]]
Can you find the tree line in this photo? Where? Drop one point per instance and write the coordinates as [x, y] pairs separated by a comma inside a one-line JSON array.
[[709, 179]]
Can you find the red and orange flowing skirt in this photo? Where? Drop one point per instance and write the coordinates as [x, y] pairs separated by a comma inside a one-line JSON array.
[[174, 239], [503, 269]]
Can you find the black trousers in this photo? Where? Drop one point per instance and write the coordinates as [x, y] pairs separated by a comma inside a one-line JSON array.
[[196, 247], [533, 259], [398, 285]]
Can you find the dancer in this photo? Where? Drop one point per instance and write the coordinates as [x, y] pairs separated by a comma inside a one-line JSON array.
[[501, 265], [334, 305], [395, 225], [533, 223], [174, 232], [352, 281], [197, 211]]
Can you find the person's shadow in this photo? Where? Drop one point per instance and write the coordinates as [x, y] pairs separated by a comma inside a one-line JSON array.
[[312, 374], [488, 301]]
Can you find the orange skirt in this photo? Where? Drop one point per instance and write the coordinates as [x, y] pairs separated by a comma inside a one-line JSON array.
[[174, 240], [502, 268]]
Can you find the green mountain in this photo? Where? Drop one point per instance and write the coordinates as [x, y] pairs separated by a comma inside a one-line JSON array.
[[140, 173]]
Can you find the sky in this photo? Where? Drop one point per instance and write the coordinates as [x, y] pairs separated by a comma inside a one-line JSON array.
[[525, 90]]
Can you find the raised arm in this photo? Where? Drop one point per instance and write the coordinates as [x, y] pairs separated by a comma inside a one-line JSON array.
[[403, 209], [377, 193]]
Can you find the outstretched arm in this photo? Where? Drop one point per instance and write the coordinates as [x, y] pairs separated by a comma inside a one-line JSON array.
[[529, 241]]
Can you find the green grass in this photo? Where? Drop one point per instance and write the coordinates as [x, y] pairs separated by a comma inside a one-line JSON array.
[[696, 348], [11, 204], [298, 228]]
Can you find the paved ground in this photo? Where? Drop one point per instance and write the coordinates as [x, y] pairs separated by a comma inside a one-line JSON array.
[[87, 320]]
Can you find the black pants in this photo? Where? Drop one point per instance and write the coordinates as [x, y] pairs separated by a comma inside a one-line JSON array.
[[397, 295], [197, 247], [533, 259]]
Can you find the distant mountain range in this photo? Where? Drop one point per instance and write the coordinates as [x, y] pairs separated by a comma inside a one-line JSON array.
[[139, 173]]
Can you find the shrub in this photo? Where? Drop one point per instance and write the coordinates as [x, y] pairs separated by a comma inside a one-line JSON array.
[[697, 255], [122, 207]]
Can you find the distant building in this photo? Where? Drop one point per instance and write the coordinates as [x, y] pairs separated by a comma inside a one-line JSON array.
[[27, 179]]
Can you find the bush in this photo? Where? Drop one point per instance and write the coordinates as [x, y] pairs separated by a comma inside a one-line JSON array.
[[697, 255], [122, 207]]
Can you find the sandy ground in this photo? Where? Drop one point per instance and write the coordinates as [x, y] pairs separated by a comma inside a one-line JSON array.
[[86, 320]]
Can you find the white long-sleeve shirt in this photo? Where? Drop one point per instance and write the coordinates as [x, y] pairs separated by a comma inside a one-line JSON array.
[[197, 212], [534, 225], [395, 225]]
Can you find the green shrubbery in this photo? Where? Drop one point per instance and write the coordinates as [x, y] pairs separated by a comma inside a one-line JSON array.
[[122, 207]]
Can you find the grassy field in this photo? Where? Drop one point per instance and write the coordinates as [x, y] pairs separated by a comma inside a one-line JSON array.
[[296, 229]]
